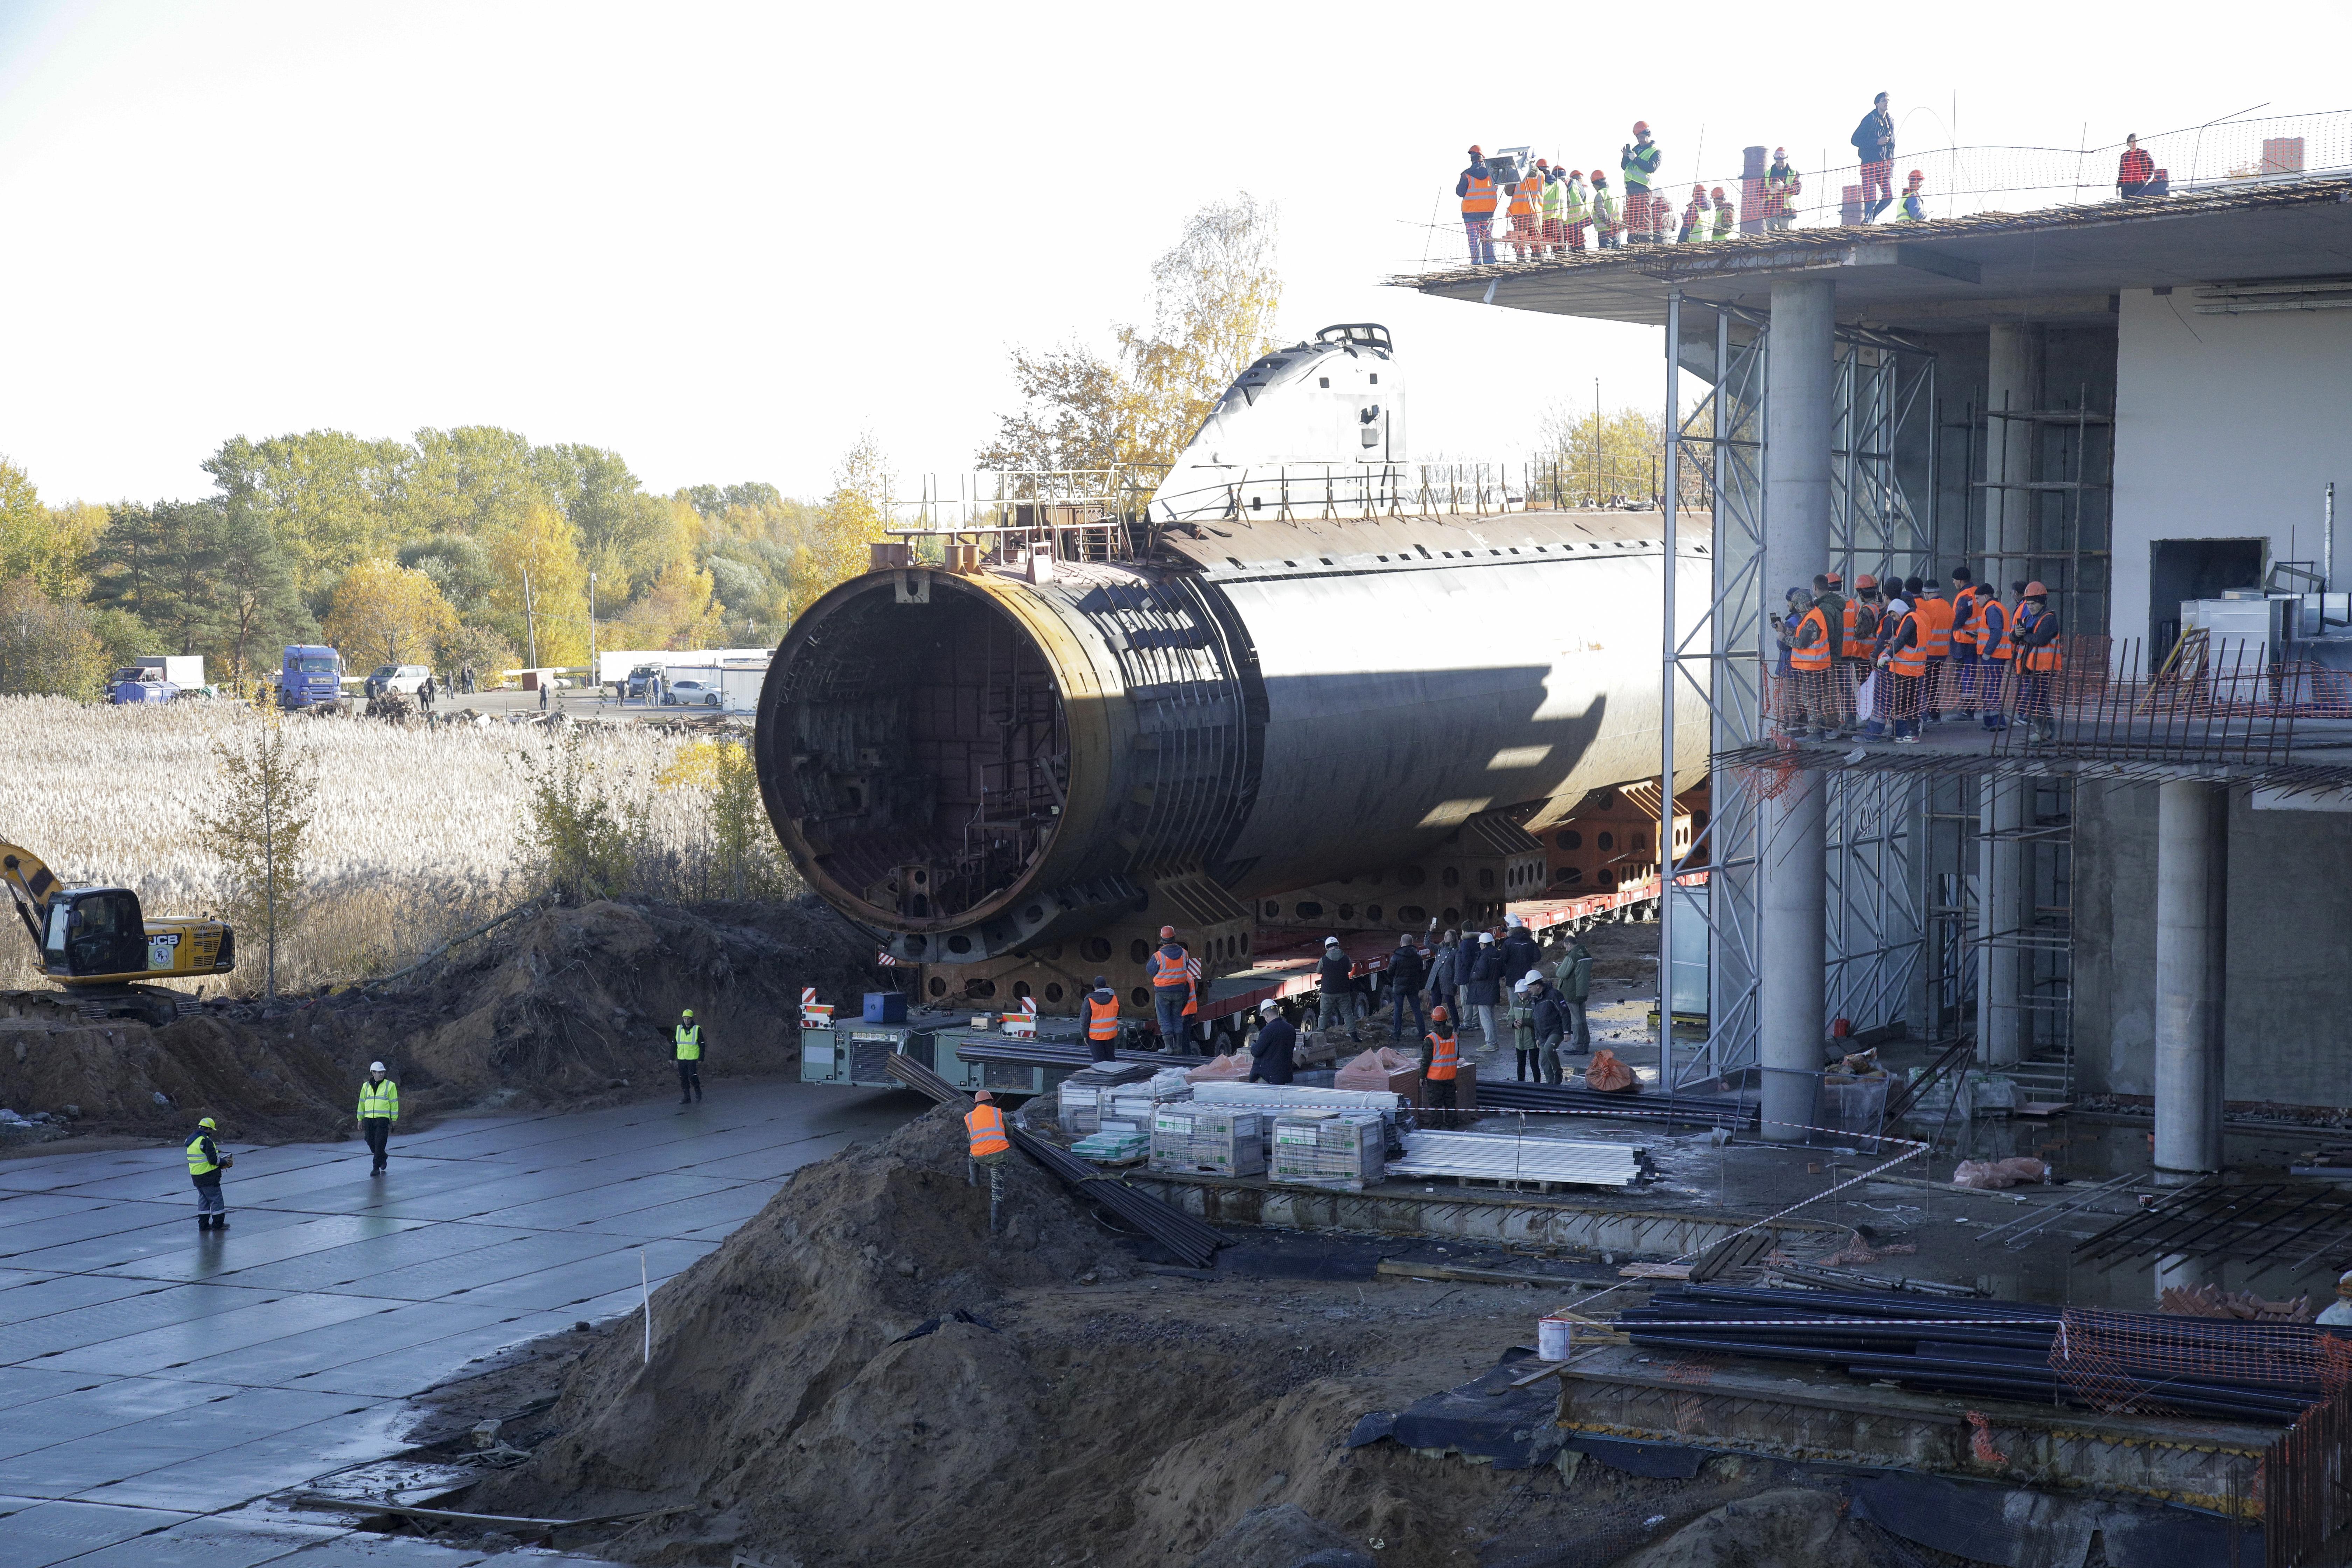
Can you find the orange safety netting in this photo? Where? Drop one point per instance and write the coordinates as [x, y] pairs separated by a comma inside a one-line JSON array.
[[2128, 1361]]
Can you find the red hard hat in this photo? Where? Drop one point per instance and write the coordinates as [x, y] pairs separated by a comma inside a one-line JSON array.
[[2036, 591], [1168, 934], [1640, 126], [1438, 1014], [1915, 174], [1543, 163], [1718, 193], [1599, 178], [1865, 581], [1474, 151]]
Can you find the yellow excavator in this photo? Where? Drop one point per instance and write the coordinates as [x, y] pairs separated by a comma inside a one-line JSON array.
[[99, 946]]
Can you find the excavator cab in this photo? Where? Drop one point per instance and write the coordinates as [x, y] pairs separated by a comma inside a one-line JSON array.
[[96, 933]]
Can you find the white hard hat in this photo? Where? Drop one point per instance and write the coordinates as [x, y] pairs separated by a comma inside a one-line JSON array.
[[1485, 939], [1331, 941], [376, 1067], [1269, 1005], [1513, 921], [1533, 976], [1518, 986]]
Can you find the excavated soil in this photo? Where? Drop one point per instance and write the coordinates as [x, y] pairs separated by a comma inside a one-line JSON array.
[[574, 1009], [861, 1375]]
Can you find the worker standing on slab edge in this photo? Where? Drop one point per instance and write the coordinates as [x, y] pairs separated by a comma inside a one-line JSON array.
[[1996, 650], [1606, 228], [688, 1039], [206, 1162], [1935, 614], [1476, 189], [1170, 972], [1637, 162], [1967, 653], [988, 1148], [1874, 143], [1810, 651], [379, 1108], [1858, 642], [1102, 1020], [2037, 663]]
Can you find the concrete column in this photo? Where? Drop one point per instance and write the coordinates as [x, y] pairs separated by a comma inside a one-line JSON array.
[[2003, 1027], [2192, 874], [2013, 380], [1793, 945]]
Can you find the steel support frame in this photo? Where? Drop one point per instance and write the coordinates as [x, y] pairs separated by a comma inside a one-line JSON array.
[[1879, 878]]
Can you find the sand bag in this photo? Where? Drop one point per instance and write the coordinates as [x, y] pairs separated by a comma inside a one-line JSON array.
[[1996, 1173], [1610, 1075]]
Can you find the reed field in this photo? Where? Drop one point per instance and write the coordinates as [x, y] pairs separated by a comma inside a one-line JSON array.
[[417, 833]]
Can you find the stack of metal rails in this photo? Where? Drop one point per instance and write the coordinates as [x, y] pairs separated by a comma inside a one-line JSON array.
[[1692, 1109]]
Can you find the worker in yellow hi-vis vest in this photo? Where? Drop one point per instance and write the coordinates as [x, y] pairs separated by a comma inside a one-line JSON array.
[[379, 1108], [688, 1041]]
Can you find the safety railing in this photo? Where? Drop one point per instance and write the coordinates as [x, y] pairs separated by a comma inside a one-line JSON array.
[[1759, 197]]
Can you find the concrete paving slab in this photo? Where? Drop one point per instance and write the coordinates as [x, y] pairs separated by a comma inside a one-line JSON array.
[[208, 1258], [481, 1198], [23, 1208], [265, 1465], [177, 1344], [151, 1308], [29, 1385], [104, 1219], [359, 1549], [230, 1418], [397, 1372], [57, 1532], [400, 1265], [529, 1252], [352, 1190], [47, 1293], [285, 1356], [34, 1174], [778, 1161], [730, 1207], [215, 1541], [605, 1200], [119, 1403], [87, 1256], [611, 1270]]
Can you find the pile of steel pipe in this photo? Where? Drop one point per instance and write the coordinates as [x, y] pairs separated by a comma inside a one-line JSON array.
[[1994, 1349], [1186, 1239], [1507, 1094]]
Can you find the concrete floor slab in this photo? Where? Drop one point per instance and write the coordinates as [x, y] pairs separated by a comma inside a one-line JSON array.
[[150, 1309], [478, 1232], [177, 1344], [57, 1532]]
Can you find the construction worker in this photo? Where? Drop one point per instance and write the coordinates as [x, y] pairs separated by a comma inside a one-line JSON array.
[[1829, 596], [2039, 661], [1273, 1052], [1968, 671], [1915, 210], [1171, 971], [1481, 990], [688, 1042], [206, 1162], [1523, 1027], [1782, 189], [1527, 199], [988, 1148], [1519, 948], [1695, 217], [1549, 1015], [1407, 975], [1935, 613], [1905, 664], [1573, 980], [1890, 625], [1476, 189], [1638, 162], [1441, 1062], [1553, 203], [1874, 143], [1811, 653], [1101, 1008], [1607, 227], [1856, 645], [379, 1108], [1335, 975], [2135, 171], [1723, 216], [1998, 650], [1572, 209]]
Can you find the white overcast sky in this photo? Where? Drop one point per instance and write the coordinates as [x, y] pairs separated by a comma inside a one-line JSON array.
[[727, 238]]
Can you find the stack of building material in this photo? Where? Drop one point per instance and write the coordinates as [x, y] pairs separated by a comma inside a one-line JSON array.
[[1696, 1110], [1320, 1147], [1129, 1107], [1192, 1139], [1079, 1097], [1506, 1157], [995, 1048], [1284, 1098], [2011, 1350], [1113, 1148]]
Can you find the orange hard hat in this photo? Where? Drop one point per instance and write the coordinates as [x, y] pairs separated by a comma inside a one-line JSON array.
[[1543, 163], [984, 1097], [1836, 577], [1640, 126], [2035, 591], [1438, 1014], [1916, 176], [1717, 193], [1865, 581], [1474, 151], [1599, 178], [1168, 934]]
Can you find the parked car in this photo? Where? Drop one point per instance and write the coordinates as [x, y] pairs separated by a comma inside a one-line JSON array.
[[405, 677], [692, 694]]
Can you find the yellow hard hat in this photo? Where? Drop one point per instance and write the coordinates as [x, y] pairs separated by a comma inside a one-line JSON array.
[[207, 1122], [687, 1014]]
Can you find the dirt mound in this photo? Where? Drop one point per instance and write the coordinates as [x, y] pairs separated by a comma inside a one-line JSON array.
[[573, 1007]]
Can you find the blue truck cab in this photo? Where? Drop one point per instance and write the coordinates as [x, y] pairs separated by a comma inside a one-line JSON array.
[[310, 677]]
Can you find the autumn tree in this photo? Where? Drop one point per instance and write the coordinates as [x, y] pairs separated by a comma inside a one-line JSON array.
[[49, 647], [257, 602], [1599, 459], [44, 544], [390, 613], [330, 498], [743, 851], [1074, 414], [855, 515], [162, 562], [540, 601], [256, 824]]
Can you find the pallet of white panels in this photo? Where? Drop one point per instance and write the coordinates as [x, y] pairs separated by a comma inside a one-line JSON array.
[[1508, 1162], [1276, 1098]]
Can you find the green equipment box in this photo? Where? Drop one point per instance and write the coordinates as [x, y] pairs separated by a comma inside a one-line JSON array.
[[854, 1054], [1005, 1077]]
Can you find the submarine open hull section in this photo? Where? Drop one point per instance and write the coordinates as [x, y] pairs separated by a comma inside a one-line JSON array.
[[970, 763]]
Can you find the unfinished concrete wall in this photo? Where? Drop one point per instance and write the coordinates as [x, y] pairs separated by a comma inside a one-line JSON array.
[[2290, 989], [2227, 428]]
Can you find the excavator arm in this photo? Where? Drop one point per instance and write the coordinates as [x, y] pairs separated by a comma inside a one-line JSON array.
[[30, 888]]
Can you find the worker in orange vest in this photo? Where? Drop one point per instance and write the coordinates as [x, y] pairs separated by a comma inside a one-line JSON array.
[[1171, 970], [984, 1126], [1905, 667], [1857, 633], [1441, 1061], [1527, 195], [2039, 661], [1476, 189], [1102, 1020], [1998, 649], [1935, 613], [1809, 652], [1967, 654]]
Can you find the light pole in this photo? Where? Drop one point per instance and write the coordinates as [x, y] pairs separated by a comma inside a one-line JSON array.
[[594, 674]]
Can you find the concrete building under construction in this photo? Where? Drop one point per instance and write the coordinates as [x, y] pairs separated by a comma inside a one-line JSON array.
[[2140, 405]]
